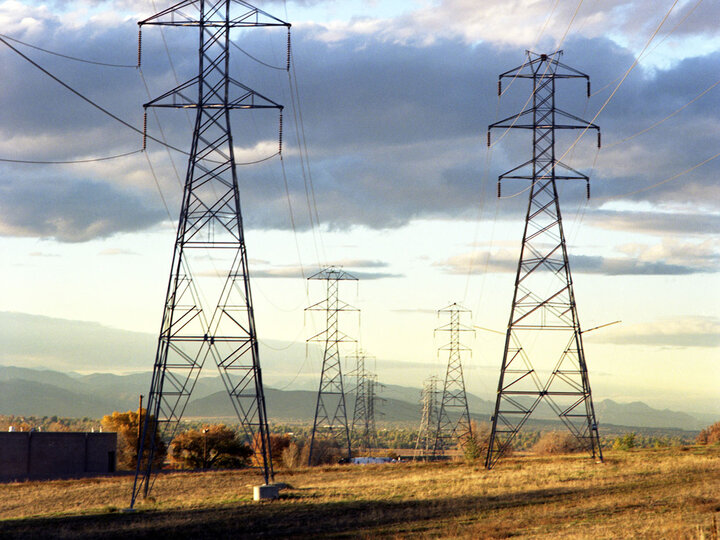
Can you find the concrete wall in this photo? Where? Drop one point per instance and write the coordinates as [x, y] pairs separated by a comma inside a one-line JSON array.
[[36, 455]]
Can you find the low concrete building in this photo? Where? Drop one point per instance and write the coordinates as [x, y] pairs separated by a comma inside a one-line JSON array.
[[39, 455]]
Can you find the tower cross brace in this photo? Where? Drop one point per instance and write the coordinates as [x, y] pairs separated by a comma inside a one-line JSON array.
[[544, 328]]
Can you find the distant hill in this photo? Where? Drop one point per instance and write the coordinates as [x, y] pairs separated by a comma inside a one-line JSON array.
[[298, 406], [46, 393], [32, 398]]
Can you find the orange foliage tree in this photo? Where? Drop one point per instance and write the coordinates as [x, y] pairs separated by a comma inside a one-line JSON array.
[[709, 435], [126, 425], [278, 443]]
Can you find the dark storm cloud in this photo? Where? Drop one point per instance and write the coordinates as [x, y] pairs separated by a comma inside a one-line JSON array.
[[395, 130], [70, 210]]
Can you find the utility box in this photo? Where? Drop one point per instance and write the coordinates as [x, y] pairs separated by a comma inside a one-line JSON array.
[[265, 492], [39, 455]]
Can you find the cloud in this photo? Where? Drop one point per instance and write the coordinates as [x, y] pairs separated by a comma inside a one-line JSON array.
[[671, 332], [670, 257], [42, 254], [524, 23], [70, 210], [656, 223], [394, 126], [117, 251], [348, 265]]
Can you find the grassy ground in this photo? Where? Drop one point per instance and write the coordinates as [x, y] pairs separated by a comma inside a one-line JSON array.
[[664, 493]]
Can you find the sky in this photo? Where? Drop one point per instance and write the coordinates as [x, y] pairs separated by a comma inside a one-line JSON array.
[[390, 102]]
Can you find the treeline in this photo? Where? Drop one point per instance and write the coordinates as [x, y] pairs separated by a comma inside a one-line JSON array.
[[48, 423], [293, 439]]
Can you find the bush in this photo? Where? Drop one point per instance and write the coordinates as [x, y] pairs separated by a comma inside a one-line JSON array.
[[475, 444], [557, 442], [213, 447], [709, 435], [290, 457], [626, 442], [325, 452]]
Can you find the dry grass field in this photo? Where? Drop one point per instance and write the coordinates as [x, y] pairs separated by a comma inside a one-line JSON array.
[[661, 493]]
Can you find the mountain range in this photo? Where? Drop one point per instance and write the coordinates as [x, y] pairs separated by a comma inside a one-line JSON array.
[[30, 392]]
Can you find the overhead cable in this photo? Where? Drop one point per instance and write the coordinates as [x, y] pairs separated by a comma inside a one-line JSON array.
[[666, 118], [68, 57], [57, 162], [88, 100]]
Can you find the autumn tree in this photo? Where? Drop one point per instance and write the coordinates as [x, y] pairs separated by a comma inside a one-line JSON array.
[[278, 443], [211, 447], [127, 427], [709, 435]]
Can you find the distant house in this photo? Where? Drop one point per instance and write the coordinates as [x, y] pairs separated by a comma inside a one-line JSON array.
[[39, 455]]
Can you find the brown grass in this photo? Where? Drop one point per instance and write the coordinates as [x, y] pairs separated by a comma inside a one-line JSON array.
[[662, 493]]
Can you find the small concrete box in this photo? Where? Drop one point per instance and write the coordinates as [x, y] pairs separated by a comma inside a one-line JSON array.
[[265, 492]]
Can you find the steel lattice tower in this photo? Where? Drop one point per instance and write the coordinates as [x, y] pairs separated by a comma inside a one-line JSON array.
[[427, 434], [370, 427], [206, 317], [363, 424], [544, 329], [454, 416], [330, 410]]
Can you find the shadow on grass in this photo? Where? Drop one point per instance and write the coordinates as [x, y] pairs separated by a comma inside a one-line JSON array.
[[276, 519]]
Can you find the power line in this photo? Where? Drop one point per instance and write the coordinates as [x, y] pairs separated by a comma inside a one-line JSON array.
[[690, 12], [657, 184], [88, 100], [622, 80], [279, 68], [68, 57], [66, 162], [666, 118]]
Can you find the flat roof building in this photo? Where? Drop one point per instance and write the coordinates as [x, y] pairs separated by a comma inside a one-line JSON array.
[[35, 455]]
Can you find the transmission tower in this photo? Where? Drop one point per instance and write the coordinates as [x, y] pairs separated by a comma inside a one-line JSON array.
[[363, 424], [544, 329], [330, 410], [427, 434], [454, 416], [370, 427], [206, 317]]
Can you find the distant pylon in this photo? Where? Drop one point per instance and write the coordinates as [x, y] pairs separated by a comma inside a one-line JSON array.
[[544, 329], [362, 430], [454, 416], [330, 409], [370, 428], [206, 317], [425, 444]]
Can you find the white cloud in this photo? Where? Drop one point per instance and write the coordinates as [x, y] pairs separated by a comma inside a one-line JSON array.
[[669, 332]]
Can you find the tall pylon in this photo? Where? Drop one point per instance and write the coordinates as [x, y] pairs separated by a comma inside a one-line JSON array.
[[454, 417], [425, 444], [543, 329], [330, 409], [208, 313]]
